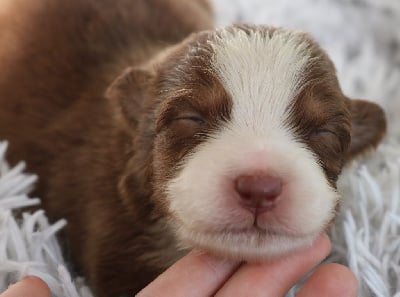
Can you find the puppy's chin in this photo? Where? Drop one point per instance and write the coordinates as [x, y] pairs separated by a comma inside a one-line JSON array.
[[250, 245]]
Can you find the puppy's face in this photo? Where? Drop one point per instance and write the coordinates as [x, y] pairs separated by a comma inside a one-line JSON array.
[[251, 131]]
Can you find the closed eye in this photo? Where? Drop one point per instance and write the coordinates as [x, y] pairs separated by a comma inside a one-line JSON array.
[[324, 131], [198, 120]]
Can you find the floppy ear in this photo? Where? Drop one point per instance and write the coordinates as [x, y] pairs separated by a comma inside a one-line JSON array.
[[368, 126], [128, 93]]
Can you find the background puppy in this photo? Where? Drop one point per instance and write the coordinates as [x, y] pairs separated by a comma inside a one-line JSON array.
[[230, 140]]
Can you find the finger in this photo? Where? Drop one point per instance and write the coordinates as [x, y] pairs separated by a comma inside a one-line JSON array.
[[29, 286], [276, 277], [330, 280], [195, 275]]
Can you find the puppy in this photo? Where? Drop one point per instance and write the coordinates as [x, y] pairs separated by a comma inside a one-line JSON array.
[[228, 140]]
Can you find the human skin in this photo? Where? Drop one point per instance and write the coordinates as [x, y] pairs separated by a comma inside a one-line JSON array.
[[30, 286], [202, 275]]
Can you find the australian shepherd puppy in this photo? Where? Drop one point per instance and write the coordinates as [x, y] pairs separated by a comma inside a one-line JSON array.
[[153, 132]]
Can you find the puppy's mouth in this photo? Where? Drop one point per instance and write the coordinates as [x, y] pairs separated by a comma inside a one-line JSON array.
[[256, 231], [249, 244]]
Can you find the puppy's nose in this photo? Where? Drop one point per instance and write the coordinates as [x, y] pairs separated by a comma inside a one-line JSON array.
[[258, 193]]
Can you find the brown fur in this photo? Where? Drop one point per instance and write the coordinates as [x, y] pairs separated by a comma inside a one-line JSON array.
[[95, 154], [56, 118]]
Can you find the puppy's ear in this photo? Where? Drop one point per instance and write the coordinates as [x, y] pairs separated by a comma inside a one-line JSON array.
[[128, 93], [128, 96], [368, 126]]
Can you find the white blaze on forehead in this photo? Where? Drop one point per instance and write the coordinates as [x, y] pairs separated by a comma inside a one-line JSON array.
[[262, 72]]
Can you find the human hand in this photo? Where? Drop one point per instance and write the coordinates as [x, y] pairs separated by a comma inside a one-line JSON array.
[[29, 286], [201, 275]]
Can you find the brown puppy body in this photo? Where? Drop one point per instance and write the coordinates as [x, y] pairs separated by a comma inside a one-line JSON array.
[[229, 140], [54, 114]]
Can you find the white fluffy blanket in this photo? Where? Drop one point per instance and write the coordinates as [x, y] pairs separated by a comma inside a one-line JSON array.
[[363, 38]]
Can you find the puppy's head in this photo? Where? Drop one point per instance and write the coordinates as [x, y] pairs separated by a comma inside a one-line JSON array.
[[247, 130]]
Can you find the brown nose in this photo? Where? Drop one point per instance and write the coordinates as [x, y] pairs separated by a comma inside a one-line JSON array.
[[258, 193]]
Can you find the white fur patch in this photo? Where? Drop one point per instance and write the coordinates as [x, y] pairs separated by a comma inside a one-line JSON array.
[[201, 199], [263, 75]]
